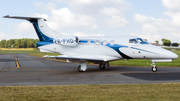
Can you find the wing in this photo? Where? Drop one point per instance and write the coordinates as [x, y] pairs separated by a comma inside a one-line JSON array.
[[77, 58]]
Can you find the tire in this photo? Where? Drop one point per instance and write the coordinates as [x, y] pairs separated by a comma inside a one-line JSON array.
[[79, 69], [154, 69], [102, 66]]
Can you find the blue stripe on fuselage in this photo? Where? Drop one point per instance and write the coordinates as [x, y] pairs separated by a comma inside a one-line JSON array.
[[143, 50], [114, 47], [43, 43]]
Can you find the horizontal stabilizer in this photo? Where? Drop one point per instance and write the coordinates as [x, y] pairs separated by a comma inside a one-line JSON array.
[[23, 18]]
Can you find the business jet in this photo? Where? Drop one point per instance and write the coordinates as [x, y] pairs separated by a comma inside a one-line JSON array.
[[95, 49]]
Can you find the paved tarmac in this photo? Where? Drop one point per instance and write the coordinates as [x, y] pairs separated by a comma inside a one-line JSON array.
[[22, 70]]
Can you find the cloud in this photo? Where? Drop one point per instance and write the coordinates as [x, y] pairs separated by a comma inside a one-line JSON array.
[[149, 28], [113, 17], [171, 4], [82, 34], [49, 6], [90, 7], [156, 29], [175, 17], [116, 21], [3, 36], [87, 16], [64, 18], [45, 16], [142, 18], [25, 26], [24, 30], [61, 19], [109, 11], [120, 3], [173, 11]]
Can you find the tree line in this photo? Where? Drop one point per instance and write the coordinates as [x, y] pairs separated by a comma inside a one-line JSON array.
[[31, 43], [167, 42], [19, 43]]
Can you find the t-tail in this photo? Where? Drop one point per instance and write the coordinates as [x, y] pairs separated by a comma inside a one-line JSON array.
[[46, 35], [42, 29]]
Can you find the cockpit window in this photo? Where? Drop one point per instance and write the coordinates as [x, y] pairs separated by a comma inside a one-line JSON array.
[[138, 40], [141, 41], [132, 41]]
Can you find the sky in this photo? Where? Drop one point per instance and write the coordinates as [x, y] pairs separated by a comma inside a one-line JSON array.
[[149, 19]]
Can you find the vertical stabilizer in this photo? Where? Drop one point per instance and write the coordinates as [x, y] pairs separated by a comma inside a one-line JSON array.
[[42, 29]]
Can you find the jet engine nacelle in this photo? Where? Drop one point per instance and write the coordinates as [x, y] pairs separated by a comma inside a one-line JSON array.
[[66, 41]]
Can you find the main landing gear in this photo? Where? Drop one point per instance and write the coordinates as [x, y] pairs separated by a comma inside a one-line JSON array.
[[154, 68], [103, 65], [82, 66]]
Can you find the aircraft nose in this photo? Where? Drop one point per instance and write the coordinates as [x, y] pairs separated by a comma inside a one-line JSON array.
[[166, 54], [174, 56], [171, 55]]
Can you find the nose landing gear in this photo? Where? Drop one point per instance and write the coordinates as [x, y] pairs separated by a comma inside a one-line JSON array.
[[154, 68]]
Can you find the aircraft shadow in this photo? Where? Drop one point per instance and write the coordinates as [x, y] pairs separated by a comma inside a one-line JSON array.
[[143, 73], [154, 76]]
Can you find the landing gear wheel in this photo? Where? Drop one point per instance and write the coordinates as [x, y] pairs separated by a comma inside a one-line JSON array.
[[102, 66], [79, 69], [154, 69]]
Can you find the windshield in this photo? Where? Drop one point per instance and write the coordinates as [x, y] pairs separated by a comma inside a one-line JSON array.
[[141, 41], [138, 40]]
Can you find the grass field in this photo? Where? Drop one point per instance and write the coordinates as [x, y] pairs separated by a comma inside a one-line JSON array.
[[34, 52], [131, 62], [127, 92], [17, 49], [133, 92]]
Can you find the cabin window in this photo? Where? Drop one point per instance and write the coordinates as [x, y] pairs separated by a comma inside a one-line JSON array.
[[104, 42], [97, 42], [112, 42], [58, 41]]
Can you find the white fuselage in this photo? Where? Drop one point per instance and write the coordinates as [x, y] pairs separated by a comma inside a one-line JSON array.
[[107, 48]]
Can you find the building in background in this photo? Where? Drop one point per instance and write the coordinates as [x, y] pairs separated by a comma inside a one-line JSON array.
[[156, 44]]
